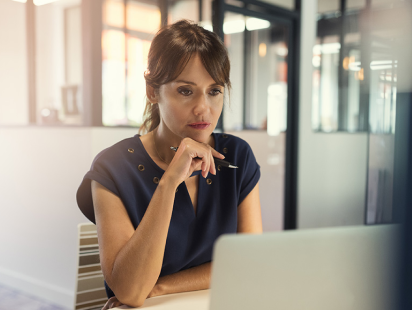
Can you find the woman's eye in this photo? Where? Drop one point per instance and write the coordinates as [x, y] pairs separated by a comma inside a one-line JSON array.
[[215, 92], [185, 92]]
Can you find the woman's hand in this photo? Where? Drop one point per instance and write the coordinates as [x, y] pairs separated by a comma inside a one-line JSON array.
[[191, 156]]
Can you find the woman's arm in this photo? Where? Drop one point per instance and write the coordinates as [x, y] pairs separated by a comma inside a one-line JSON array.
[[126, 254], [249, 215], [192, 279]]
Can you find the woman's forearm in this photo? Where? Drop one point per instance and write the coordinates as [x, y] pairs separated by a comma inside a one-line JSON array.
[[137, 266], [192, 279]]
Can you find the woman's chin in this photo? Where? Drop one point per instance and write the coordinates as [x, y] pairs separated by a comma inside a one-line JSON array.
[[201, 137]]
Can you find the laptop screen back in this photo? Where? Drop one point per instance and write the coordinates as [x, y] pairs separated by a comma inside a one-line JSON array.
[[319, 269]]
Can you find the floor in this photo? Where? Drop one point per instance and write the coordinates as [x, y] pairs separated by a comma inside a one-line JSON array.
[[11, 299]]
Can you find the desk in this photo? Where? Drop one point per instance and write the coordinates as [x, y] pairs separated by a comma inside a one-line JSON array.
[[197, 300]]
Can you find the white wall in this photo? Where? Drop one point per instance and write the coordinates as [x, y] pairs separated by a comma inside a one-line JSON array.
[[41, 169], [331, 167], [13, 64]]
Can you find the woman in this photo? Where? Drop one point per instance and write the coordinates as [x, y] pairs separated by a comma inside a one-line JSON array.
[[157, 211]]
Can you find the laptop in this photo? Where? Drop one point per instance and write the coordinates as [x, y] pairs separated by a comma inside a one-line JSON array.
[[319, 269]]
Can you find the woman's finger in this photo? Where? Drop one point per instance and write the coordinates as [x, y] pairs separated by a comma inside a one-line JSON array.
[[203, 164], [204, 167], [212, 165], [217, 154], [202, 155], [209, 160], [195, 165]]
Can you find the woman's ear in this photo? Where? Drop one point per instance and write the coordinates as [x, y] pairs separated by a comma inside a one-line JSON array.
[[151, 94]]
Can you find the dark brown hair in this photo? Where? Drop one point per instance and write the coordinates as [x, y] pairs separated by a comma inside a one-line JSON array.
[[169, 53]]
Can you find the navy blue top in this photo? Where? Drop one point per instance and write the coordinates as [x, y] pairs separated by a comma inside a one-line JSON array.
[[127, 170]]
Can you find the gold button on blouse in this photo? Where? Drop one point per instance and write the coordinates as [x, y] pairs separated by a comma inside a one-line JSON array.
[[209, 181], [224, 136], [140, 167], [156, 180], [219, 167], [225, 150], [131, 150]]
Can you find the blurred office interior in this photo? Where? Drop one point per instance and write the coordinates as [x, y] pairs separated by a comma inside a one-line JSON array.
[[320, 90]]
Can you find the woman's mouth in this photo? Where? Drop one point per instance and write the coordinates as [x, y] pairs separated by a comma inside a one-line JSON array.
[[200, 126]]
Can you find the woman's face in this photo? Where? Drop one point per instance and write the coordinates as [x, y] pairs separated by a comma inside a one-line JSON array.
[[190, 105]]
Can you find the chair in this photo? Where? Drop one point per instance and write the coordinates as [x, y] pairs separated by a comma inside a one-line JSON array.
[[90, 291]]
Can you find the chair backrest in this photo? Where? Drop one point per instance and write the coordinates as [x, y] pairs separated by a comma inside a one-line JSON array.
[[90, 291]]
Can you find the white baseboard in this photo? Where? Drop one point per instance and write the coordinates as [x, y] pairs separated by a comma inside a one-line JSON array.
[[37, 288]]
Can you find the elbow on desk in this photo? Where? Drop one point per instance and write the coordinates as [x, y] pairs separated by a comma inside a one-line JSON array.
[[132, 302], [129, 292], [132, 297]]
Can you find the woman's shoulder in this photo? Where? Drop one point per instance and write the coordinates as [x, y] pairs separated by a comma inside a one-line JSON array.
[[226, 140], [120, 150]]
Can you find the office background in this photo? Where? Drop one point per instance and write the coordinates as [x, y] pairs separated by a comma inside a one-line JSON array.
[[322, 126]]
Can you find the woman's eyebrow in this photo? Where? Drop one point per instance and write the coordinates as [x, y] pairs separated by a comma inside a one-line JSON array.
[[192, 83]]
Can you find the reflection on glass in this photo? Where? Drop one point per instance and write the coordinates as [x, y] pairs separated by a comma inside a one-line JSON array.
[[382, 112], [349, 95], [325, 84], [382, 94], [354, 71], [258, 54], [126, 38], [380, 178], [233, 110]]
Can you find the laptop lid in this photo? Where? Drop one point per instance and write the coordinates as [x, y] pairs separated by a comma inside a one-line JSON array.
[[320, 269]]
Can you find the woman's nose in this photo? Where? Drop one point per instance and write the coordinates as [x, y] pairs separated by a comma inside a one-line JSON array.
[[201, 105]]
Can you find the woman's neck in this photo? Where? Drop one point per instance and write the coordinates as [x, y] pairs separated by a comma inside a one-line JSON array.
[[163, 139]]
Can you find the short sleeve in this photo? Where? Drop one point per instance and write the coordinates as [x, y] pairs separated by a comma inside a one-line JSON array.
[[250, 175], [100, 172]]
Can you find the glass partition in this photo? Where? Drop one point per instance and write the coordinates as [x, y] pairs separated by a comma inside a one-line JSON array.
[[383, 81], [258, 52]]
